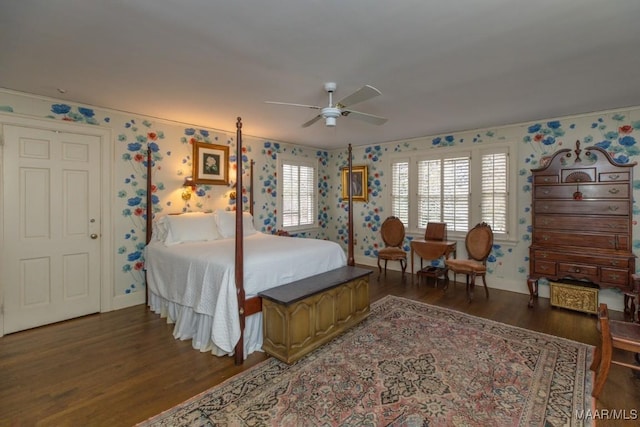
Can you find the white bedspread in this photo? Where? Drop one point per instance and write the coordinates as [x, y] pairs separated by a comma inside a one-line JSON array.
[[194, 283]]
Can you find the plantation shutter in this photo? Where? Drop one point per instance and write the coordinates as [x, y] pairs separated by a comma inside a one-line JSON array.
[[460, 187], [429, 191], [307, 190], [298, 195], [495, 191], [400, 191], [455, 193]]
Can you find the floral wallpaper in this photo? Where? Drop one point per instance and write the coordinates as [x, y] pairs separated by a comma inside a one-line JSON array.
[[171, 144], [617, 132]]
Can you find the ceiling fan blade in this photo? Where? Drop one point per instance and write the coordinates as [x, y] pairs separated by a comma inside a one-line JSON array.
[[369, 118], [362, 94], [312, 121], [293, 105]]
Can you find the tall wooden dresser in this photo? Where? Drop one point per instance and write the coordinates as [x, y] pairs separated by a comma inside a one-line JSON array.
[[582, 220]]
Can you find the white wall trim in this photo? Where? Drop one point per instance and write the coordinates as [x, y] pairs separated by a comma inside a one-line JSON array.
[[127, 300]]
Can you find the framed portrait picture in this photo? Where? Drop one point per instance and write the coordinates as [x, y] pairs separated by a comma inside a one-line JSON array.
[[358, 182], [210, 163]]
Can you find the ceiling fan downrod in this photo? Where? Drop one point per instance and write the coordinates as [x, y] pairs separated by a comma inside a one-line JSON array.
[[330, 113]]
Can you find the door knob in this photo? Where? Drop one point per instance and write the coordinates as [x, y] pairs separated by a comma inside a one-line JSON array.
[[94, 236]]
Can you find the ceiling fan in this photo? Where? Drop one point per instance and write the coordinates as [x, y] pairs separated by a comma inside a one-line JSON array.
[[333, 111]]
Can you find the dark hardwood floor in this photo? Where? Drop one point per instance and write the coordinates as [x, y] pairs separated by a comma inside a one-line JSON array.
[[122, 367]]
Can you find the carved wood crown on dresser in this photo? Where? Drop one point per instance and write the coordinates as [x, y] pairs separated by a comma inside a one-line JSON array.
[[581, 216]]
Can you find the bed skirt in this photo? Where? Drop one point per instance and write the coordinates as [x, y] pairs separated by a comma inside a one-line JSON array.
[[197, 327]]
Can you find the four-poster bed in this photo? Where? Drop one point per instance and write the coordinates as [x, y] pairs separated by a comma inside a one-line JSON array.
[[253, 261]]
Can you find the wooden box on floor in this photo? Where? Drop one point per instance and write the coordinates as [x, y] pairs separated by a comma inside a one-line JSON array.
[[574, 296], [301, 316]]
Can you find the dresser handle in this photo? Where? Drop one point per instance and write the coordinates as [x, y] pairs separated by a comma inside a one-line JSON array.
[[546, 179], [545, 222], [614, 190], [545, 237], [620, 226], [545, 207], [614, 276], [576, 270], [614, 176], [614, 263], [613, 208], [546, 191]]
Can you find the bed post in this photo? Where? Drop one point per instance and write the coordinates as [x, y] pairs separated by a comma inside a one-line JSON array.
[[350, 259], [149, 221], [251, 188], [239, 349]]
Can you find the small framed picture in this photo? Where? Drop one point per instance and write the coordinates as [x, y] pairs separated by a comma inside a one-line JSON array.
[[210, 163], [358, 182]]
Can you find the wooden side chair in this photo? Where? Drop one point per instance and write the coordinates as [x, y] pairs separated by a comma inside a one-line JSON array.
[[435, 231], [392, 232], [613, 334], [479, 242]]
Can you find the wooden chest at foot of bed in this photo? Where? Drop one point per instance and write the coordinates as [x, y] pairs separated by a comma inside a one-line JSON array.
[[574, 295], [301, 316]]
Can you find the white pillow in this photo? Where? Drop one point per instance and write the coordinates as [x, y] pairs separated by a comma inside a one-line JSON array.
[[190, 227], [226, 221], [247, 224], [159, 228]]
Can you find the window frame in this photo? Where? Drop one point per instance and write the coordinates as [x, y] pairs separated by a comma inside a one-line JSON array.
[[476, 153], [296, 161]]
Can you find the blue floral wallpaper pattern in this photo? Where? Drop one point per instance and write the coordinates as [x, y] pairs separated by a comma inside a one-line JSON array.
[[171, 153]]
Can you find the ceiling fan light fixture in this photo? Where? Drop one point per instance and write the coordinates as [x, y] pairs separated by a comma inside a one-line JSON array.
[[330, 115]]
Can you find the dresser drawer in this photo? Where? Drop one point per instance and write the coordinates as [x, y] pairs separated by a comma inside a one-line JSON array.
[[583, 240], [578, 271], [612, 224], [615, 277], [544, 268], [546, 179], [585, 207], [604, 260], [605, 191], [588, 191], [614, 176]]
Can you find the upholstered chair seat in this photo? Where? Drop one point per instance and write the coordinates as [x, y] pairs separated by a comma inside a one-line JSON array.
[[478, 242]]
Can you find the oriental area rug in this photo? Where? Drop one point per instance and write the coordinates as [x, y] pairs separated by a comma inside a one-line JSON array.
[[408, 364]]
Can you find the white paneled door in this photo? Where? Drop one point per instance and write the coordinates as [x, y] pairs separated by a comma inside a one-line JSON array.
[[52, 227]]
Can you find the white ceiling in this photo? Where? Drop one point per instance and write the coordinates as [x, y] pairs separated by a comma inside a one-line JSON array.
[[441, 65]]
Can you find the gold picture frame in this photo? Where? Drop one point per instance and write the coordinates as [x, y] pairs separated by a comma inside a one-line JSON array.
[[210, 164], [359, 183]]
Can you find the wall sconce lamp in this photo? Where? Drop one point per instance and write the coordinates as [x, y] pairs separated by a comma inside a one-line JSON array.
[[189, 187], [232, 195]]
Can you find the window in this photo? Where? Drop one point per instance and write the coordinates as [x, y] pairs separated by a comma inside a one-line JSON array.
[[400, 191], [429, 192], [448, 184], [297, 189], [443, 192], [495, 197]]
